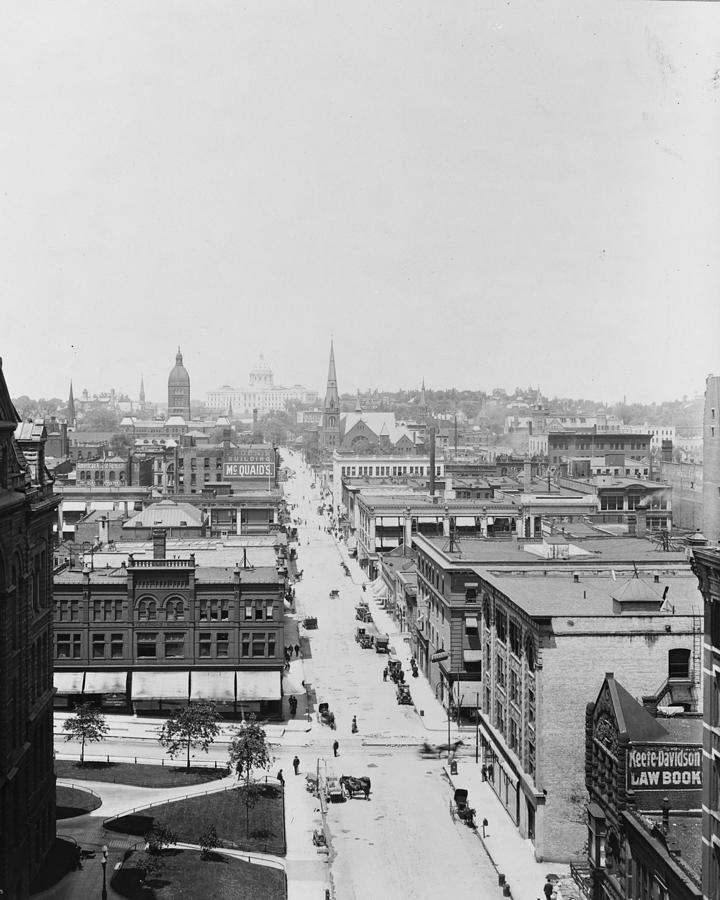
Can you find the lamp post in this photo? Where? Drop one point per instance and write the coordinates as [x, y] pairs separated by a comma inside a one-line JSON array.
[[103, 862]]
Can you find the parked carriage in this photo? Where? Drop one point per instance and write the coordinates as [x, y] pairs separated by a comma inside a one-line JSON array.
[[355, 787], [459, 808], [334, 792], [325, 717], [310, 622], [403, 695], [382, 643]]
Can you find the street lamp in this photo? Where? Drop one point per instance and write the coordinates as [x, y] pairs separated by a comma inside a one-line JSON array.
[[103, 862]]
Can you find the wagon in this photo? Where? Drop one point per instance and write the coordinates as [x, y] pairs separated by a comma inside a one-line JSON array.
[[325, 717], [366, 642], [382, 643], [334, 594], [459, 808], [310, 622], [403, 695], [334, 790]]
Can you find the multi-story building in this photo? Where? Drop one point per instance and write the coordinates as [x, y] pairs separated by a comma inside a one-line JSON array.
[[711, 459], [261, 394], [146, 632], [706, 565], [596, 442], [529, 633], [27, 780], [643, 774]]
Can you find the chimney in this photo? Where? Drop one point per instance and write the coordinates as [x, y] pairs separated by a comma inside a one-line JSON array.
[[104, 530], [432, 460], [665, 815], [159, 543]]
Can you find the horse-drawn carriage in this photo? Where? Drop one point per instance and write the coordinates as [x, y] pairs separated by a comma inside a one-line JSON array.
[[334, 792], [334, 594], [325, 717], [362, 612], [403, 695], [436, 750], [382, 643], [356, 786], [366, 642], [310, 622], [459, 808], [395, 670]]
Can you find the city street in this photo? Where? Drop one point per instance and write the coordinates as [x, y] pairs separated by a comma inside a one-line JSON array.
[[403, 843]]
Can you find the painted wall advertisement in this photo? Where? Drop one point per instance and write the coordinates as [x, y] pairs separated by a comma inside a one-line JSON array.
[[664, 766], [250, 464]]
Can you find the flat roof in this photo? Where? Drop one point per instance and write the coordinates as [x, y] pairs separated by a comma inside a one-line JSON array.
[[591, 596]]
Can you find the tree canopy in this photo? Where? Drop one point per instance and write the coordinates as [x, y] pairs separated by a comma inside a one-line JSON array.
[[193, 726], [249, 749], [87, 726]]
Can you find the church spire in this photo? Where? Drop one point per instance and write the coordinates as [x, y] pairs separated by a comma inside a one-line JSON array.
[[142, 390], [332, 399], [71, 407]]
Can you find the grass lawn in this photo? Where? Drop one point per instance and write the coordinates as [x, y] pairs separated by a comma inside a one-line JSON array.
[[186, 876], [226, 811], [71, 802], [138, 775]]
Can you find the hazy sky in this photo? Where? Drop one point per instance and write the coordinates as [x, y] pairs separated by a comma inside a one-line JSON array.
[[481, 193]]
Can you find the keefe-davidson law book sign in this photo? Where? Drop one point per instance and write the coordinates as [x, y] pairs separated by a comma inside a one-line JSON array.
[[664, 766], [250, 464]]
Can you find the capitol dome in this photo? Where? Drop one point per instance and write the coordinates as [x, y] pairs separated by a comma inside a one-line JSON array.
[[262, 374], [179, 390]]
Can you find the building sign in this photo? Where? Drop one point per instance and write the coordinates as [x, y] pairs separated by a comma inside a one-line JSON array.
[[258, 463], [440, 655], [664, 767]]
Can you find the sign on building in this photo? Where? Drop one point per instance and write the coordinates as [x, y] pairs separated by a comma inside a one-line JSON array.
[[664, 767], [258, 463], [439, 656]]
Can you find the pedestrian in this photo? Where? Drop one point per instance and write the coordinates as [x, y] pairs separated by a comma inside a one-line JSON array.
[[354, 725], [385, 673], [336, 747], [548, 889], [78, 857], [296, 764], [297, 649], [280, 777]]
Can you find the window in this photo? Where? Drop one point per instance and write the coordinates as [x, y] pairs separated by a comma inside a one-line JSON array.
[[107, 610], [68, 610], [205, 644], [147, 644], [515, 633], [174, 644], [67, 646], [500, 670], [679, 663], [175, 610], [501, 626], [98, 645], [514, 732], [222, 644], [258, 644], [147, 610], [116, 646], [514, 686], [269, 609]]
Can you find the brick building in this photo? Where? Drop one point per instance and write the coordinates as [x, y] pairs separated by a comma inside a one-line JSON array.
[[150, 631], [533, 637], [706, 565], [593, 442], [643, 775], [27, 780]]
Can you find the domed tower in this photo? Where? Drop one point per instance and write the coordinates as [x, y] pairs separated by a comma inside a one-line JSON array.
[[262, 375], [179, 390]]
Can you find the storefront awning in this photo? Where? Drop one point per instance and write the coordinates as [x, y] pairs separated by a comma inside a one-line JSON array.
[[427, 520], [465, 521], [212, 685], [258, 684], [384, 542], [68, 682], [467, 692], [471, 622], [74, 506], [105, 682], [160, 685], [472, 656]]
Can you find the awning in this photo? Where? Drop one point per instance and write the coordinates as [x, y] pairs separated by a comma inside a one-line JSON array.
[[382, 540], [258, 684], [105, 682], [74, 506], [426, 520], [102, 504], [292, 681], [467, 692], [471, 622], [472, 656], [465, 521], [68, 682], [68, 528], [390, 521], [212, 685], [160, 685]]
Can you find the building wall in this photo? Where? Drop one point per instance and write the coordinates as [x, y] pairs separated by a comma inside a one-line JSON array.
[[636, 650], [27, 781], [711, 460], [686, 480]]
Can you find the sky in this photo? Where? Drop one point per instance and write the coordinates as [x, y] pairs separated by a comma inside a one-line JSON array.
[[481, 194]]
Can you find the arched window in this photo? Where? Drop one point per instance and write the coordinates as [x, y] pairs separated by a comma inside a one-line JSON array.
[[679, 663], [147, 610], [175, 610]]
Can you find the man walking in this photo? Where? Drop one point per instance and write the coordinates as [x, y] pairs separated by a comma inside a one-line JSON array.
[[548, 889], [336, 747], [296, 764], [280, 777]]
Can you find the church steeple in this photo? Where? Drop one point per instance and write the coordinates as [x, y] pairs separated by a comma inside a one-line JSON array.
[[142, 390], [330, 434], [332, 399], [71, 417]]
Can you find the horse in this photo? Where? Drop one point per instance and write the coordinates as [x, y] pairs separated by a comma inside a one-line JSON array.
[[356, 785], [428, 749]]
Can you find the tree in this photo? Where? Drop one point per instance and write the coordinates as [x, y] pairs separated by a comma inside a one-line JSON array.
[[87, 726], [208, 841], [159, 837], [249, 750], [195, 725]]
